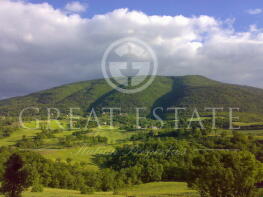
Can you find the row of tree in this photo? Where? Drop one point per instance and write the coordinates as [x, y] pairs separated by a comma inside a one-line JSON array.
[[213, 173]]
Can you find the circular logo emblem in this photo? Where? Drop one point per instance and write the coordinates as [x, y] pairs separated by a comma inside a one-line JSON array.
[[129, 65]]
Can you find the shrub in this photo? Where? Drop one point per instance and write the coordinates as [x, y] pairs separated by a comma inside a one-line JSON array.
[[37, 188], [87, 190]]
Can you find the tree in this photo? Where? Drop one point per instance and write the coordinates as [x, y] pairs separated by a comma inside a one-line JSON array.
[[107, 180], [152, 171], [226, 174], [36, 186], [16, 177]]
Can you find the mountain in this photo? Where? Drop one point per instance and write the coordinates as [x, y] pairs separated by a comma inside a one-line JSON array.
[[187, 91]]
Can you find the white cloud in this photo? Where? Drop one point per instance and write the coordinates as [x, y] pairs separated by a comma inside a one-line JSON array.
[[42, 47], [254, 11], [76, 6]]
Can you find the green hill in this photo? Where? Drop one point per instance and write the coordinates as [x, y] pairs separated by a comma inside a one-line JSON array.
[[187, 91]]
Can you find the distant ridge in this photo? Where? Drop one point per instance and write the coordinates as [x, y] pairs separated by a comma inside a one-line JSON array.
[[185, 91]]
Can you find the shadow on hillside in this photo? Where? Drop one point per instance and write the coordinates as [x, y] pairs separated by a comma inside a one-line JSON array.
[[99, 102], [170, 99]]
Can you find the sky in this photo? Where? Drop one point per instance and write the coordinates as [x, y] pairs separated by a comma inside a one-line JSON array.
[[49, 43]]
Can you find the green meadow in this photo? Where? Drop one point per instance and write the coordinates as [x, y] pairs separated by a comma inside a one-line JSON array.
[[177, 189]]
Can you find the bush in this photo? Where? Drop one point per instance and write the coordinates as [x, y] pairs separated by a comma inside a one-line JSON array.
[[37, 188], [240, 170], [87, 190]]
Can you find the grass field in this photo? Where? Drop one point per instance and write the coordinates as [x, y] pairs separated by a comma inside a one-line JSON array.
[[160, 189], [48, 192], [77, 154], [114, 135], [17, 135], [28, 132], [85, 153], [176, 189], [81, 153]]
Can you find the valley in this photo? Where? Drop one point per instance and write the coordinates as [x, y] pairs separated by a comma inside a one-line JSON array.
[[133, 154]]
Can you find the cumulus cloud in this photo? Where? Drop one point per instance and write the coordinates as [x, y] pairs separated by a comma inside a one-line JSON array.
[[42, 47], [254, 11], [76, 6]]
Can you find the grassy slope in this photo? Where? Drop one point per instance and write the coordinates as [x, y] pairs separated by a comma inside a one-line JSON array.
[[15, 136], [145, 190], [147, 98], [79, 94], [77, 154], [202, 92], [27, 132]]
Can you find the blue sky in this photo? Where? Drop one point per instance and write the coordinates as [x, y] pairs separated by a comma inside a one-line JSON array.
[[221, 9]]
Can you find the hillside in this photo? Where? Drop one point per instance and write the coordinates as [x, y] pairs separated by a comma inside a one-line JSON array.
[[187, 91]]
